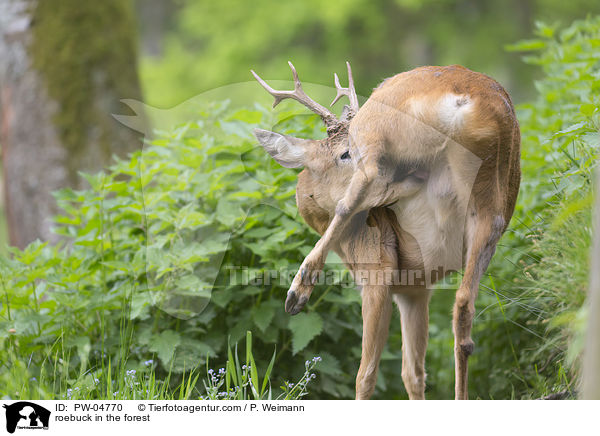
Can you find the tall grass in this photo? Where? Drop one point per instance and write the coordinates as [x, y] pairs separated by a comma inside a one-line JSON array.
[[234, 381]]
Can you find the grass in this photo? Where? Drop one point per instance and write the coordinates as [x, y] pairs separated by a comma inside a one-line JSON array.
[[235, 381]]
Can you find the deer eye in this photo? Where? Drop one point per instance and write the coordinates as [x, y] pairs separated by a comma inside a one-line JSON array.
[[345, 156]]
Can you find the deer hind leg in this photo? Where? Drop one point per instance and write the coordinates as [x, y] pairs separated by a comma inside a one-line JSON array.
[[484, 231], [414, 318], [373, 248], [376, 313]]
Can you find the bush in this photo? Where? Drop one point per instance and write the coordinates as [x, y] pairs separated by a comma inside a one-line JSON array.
[[540, 275], [146, 244]]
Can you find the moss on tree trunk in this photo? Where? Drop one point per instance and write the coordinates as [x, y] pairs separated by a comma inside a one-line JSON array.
[[66, 70], [86, 55]]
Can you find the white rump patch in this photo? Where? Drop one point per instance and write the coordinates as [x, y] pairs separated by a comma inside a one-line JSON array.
[[452, 109]]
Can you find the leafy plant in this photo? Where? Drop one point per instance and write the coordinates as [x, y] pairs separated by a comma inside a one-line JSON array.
[[152, 261], [542, 267]]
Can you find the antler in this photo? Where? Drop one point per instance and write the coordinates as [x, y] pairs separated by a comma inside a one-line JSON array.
[[298, 94], [350, 92]]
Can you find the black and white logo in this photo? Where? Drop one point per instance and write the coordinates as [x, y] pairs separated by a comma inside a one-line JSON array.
[[26, 415]]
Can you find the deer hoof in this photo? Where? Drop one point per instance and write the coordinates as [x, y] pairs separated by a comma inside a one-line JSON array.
[[293, 304]]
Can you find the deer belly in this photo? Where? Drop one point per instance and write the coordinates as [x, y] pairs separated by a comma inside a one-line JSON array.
[[433, 217]]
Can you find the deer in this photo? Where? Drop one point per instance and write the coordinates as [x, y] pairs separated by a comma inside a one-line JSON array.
[[422, 178]]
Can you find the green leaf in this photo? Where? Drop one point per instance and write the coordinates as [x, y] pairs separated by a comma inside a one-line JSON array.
[[304, 327], [114, 264], [545, 30], [189, 282], [190, 353], [164, 345], [591, 139], [587, 109], [577, 127], [526, 45], [268, 373], [263, 315], [247, 116], [253, 370], [330, 365], [82, 343], [222, 297], [140, 304]]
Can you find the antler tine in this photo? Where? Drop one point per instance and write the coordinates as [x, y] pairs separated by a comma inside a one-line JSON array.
[[350, 92], [353, 97], [300, 96]]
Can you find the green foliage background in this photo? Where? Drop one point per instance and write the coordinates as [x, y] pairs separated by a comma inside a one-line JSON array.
[[211, 44], [132, 282]]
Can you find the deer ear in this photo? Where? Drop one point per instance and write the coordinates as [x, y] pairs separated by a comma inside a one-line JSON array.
[[286, 150]]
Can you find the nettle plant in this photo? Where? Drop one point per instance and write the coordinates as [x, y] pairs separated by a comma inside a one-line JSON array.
[[539, 292], [154, 260]]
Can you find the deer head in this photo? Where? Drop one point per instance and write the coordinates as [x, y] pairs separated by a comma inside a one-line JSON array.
[[330, 161]]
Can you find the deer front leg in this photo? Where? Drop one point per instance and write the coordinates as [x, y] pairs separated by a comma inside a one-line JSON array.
[[485, 231], [369, 187], [352, 203], [376, 313]]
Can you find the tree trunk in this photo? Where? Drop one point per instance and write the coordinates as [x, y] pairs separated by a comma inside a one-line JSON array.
[[65, 64], [154, 17], [591, 353]]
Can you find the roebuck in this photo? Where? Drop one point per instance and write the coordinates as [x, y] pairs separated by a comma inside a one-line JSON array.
[[421, 181]]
